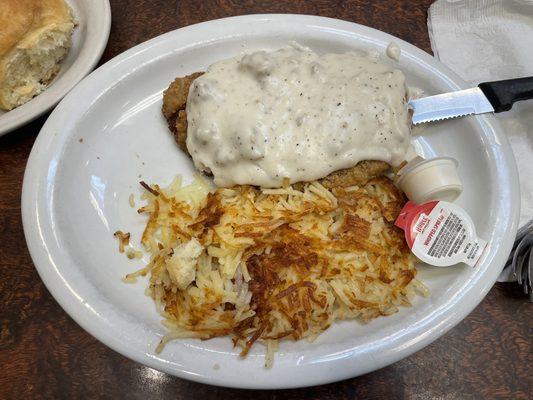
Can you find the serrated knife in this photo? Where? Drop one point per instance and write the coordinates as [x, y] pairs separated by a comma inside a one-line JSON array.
[[488, 97]]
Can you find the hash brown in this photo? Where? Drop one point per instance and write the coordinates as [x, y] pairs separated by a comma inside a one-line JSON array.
[[262, 265]]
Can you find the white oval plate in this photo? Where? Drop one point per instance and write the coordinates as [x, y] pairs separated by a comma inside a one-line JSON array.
[[108, 133], [89, 39]]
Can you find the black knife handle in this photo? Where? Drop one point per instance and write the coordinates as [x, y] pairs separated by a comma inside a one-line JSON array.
[[502, 94]]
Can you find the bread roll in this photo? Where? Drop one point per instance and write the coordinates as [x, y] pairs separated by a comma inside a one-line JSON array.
[[35, 36]]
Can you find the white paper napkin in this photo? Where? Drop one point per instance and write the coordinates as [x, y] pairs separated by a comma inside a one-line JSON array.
[[485, 40]]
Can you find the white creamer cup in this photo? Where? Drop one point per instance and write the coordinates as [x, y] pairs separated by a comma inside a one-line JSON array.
[[434, 179]]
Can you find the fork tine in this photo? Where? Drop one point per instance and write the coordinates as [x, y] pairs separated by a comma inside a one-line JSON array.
[[525, 282], [518, 264], [530, 275]]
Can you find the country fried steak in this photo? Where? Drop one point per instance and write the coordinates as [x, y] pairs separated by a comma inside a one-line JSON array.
[[174, 104]]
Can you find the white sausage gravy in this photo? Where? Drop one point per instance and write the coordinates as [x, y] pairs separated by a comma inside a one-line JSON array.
[[291, 113]]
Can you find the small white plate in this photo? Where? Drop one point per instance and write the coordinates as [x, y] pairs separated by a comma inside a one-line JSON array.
[[108, 133], [89, 39]]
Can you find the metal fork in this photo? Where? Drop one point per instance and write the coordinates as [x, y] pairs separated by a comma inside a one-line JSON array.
[[521, 258]]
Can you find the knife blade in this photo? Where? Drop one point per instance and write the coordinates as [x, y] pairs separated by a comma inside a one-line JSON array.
[[488, 97], [450, 105]]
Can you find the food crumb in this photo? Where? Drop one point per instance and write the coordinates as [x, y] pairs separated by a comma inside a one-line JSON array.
[[130, 278], [130, 253], [393, 51], [80, 140], [123, 240]]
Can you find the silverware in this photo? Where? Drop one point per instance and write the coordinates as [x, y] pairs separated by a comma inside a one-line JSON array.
[[521, 258], [522, 263], [494, 96]]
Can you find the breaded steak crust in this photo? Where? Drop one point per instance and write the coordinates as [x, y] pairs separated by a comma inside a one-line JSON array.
[[174, 103]]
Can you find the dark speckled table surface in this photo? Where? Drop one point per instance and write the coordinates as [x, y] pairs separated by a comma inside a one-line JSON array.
[[45, 354]]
